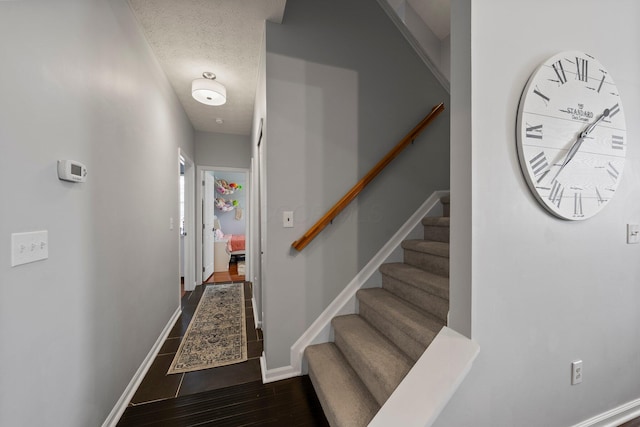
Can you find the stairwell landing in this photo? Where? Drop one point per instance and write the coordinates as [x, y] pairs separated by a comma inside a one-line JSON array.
[[374, 349]]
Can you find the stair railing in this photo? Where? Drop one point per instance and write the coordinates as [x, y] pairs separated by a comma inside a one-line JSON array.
[[360, 185]]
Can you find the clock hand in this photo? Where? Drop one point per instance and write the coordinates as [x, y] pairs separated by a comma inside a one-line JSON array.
[[576, 145]]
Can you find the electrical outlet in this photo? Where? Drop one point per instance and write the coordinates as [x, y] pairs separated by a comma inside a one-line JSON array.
[[576, 372]]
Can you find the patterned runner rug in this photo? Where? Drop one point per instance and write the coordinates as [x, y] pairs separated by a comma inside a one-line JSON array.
[[216, 335]]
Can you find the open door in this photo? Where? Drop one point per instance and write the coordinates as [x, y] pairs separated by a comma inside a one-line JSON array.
[[207, 224]]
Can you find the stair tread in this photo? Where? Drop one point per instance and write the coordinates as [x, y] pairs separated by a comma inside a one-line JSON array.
[[379, 363], [428, 247], [421, 279], [410, 320], [344, 398], [436, 221]]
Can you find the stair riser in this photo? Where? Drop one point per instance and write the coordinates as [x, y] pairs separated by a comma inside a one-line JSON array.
[[437, 234], [344, 399], [329, 414], [433, 304], [433, 263], [446, 210], [378, 389], [404, 342]]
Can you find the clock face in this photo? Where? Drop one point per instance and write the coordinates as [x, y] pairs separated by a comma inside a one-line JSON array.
[[571, 135]]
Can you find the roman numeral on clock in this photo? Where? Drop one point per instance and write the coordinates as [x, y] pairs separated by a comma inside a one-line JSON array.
[[612, 171], [614, 110], [557, 67], [617, 142], [539, 166], [601, 82], [555, 196], [544, 97], [601, 200], [534, 131], [582, 72], [577, 204]]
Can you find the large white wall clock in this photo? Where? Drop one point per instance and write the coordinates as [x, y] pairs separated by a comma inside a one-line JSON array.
[[571, 135]]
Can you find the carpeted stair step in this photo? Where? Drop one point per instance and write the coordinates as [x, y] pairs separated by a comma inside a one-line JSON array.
[[423, 289], [436, 228], [379, 364], [345, 399], [406, 326], [428, 256]]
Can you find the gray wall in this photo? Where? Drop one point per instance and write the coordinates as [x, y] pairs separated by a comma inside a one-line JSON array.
[[79, 82], [342, 87], [544, 291], [222, 149]]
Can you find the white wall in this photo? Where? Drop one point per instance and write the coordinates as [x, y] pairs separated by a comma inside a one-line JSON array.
[[342, 88], [545, 292], [78, 81], [222, 149]]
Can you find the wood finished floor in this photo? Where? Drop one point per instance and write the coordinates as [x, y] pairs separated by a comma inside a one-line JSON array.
[[227, 276], [226, 396]]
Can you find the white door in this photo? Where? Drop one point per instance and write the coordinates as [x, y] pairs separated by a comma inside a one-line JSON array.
[[207, 225]]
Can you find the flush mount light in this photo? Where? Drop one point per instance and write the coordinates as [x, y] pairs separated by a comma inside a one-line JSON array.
[[208, 91]]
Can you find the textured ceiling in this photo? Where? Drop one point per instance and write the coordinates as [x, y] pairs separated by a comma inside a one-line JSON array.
[[190, 37]]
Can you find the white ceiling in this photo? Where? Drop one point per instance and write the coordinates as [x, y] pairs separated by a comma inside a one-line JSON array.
[[190, 37]]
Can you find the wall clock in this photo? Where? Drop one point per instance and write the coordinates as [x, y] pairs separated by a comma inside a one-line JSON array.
[[571, 135]]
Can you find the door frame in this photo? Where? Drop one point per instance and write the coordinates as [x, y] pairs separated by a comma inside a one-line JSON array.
[[200, 170], [189, 221]]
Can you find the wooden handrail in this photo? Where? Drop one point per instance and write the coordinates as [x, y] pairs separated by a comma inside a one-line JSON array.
[[356, 189]]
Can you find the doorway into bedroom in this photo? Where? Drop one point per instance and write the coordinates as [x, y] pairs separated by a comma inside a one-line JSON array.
[[225, 218]]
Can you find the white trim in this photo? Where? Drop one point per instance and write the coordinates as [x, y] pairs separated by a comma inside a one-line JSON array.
[[129, 391], [615, 416], [345, 302], [277, 374], [190, 273], [432, 381], [200, 169], [257, 322]]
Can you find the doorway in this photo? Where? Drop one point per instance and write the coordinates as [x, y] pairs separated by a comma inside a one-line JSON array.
[[187, 223], [224, 250]]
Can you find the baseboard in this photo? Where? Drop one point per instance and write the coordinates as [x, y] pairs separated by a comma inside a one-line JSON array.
[[277, 374], [129, 391], [614, 417], [345, 302]]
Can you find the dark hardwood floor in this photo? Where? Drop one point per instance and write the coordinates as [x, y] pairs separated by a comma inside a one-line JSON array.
[[290, 402], [230, 395]]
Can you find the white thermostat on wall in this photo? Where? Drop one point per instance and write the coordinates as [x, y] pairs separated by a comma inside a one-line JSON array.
[[70, 170]]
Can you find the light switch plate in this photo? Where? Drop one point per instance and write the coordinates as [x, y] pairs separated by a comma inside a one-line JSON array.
[[633, 233], [29, 247]]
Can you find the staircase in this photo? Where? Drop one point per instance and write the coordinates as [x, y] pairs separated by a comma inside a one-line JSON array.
[[375, 349]]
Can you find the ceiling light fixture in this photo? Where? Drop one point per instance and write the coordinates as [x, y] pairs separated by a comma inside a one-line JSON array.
[[208, 91]]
